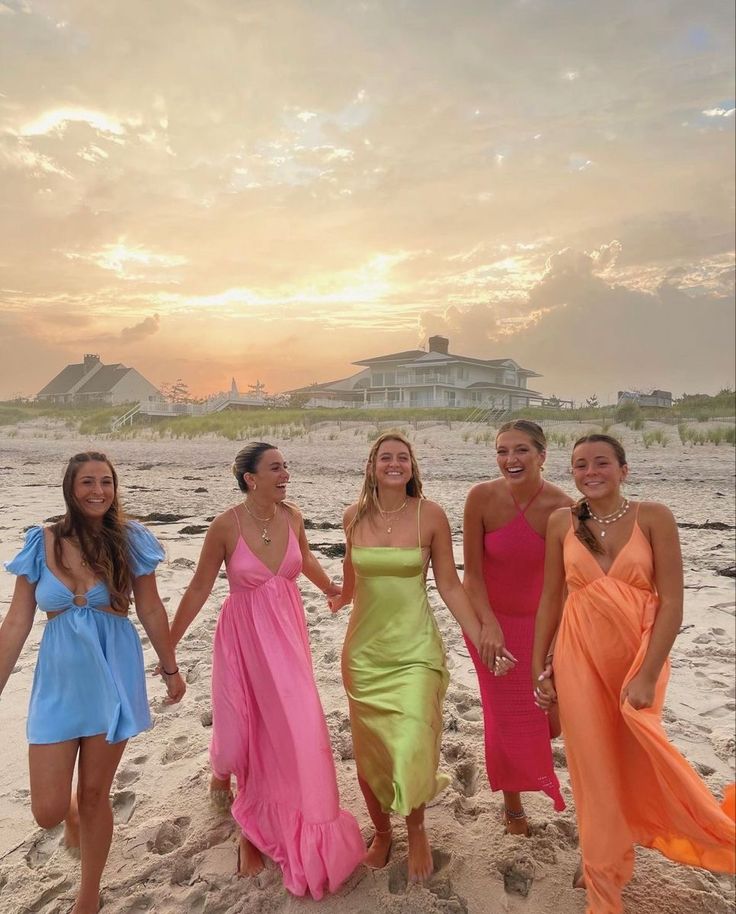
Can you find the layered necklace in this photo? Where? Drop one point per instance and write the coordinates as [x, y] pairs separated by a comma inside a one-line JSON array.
[[606, 519], [386, 514], [262, 520]]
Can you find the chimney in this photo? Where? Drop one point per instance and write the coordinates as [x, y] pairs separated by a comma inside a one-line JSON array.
[[91, 360], [439, 344]]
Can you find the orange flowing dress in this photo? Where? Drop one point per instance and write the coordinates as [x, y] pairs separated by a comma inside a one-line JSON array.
[[630, 785]]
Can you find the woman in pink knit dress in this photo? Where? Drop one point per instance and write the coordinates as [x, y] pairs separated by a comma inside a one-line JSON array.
[[503, 540], [268, 727]]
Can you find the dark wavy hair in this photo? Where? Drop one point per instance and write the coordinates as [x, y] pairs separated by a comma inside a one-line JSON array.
[[104, 549], [581, 508], [247, 460]]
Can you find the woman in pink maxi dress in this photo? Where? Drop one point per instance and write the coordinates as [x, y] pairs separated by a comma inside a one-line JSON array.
[[268, 726], [504, 572]]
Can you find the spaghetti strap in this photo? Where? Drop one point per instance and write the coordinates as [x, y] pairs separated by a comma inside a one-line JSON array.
[[528, 504], [237, 521], [419, 525]]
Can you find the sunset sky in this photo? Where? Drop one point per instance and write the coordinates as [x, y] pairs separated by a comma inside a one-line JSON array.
[[273, 189]]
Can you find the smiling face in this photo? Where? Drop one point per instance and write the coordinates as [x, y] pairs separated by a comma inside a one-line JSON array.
[[596, 470], [93, 489], [518, 458], [271, 476], [393, 464]]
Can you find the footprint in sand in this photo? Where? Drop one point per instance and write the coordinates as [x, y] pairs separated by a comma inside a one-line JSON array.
[[123, 806], [466, 778], [49, 894], [518, 873], [126, 776], [466, 810], [331, 657], [43, 847], [177, 748], [169, 836]]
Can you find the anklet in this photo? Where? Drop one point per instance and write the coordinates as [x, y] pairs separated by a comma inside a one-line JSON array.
[[514, 815]]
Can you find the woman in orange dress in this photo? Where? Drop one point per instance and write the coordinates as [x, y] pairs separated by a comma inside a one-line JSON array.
[[622, 567]]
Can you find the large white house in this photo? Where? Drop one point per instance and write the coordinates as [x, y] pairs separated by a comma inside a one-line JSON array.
[[419, 378], [90, 382]]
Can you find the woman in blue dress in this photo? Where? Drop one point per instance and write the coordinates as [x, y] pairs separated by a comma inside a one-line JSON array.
[[89, 692]]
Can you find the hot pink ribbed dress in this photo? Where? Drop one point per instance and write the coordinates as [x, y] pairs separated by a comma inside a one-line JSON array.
[[518, 751], [269, 729]]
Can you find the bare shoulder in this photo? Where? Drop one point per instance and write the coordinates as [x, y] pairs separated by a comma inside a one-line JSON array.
[[559, 521], [557, 496], [432, 511], [349, 514], [656, 516], [292, 510], [483, 492]]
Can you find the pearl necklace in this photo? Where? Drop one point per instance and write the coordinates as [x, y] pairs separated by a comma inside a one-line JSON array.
[[610, 518], [262, 520], [395, 511]]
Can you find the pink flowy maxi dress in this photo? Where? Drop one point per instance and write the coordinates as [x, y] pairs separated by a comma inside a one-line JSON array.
[[517, 738], [269, 730]]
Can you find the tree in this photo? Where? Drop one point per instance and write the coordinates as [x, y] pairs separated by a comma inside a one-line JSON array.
[[176, 392], [592, 401]]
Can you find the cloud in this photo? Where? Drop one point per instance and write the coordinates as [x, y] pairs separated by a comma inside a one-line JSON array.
[[588, 333], [147, 327], [58, 119], [719, 112]]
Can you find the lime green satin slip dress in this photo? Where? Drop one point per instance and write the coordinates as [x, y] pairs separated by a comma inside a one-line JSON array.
[[393, 667]]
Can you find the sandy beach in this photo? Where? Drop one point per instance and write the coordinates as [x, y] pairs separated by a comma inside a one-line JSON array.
[[173, 853]]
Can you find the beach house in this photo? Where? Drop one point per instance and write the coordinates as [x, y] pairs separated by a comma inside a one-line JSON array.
[[428, 378], [91, 382]]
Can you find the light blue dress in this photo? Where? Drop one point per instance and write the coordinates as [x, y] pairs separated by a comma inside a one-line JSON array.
[[89, 676]]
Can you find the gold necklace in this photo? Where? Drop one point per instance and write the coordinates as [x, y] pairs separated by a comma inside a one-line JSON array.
[[262, 520], [611, 518], [395, 511]]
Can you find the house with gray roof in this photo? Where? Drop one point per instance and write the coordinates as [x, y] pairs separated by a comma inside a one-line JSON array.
[[434, 378], [90, 382]]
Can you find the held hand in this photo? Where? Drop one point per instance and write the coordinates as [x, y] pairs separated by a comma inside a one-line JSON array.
[[175, 687], [639, 692], [336, 602], [492, 649], [544, 692], [333, 589]]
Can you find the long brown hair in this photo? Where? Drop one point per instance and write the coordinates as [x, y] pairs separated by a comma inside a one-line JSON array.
[[581, 508], [105, 550], [368, 498]]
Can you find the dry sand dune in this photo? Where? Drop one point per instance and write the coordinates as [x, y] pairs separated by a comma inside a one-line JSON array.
[[172, 853]]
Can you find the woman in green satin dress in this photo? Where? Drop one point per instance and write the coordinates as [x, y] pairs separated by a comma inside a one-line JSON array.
[[393, 661]]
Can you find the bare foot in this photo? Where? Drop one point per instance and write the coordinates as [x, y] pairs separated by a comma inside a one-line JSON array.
[[71, 826], [378, 853], [81, 907], [578, 880], [419, 865], [221, 793], [515, 822], [250, 860]]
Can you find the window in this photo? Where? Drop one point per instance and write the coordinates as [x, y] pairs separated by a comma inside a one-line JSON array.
[[377, 379]]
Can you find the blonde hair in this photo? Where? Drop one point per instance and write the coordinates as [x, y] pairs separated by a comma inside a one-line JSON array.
[[368, 498]]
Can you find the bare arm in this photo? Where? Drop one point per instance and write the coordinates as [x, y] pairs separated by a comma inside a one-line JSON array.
[[311, 568], [668, 577], [154, 620], [445, 574], [491, 639], [348, 572], [551, 602], [210, 560], [16, 626]]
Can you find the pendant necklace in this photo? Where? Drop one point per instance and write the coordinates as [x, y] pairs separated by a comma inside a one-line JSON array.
[[395, 511], [611, 518], [262, 520]]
